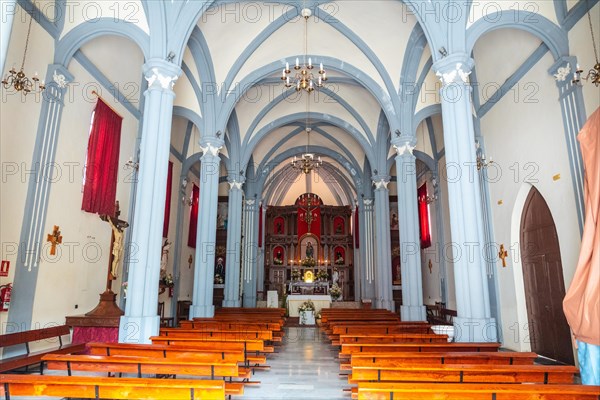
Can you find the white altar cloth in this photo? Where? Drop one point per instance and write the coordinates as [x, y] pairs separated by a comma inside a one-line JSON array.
[[295, 300]]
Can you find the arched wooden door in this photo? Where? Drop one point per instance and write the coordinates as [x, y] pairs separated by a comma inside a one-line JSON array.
[[544, 285]]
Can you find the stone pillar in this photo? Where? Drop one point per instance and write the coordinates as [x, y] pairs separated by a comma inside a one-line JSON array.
[[368, 256], [572, 108], [39, 180], [412, 308], [474, 322], [141, 320], [249, 247], [383, 249], [204, 272], [234, 245]]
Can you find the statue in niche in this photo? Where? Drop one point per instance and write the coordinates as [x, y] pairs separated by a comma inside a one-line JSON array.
[[394, 221], [220, 267], [278, 227], [310, 251]]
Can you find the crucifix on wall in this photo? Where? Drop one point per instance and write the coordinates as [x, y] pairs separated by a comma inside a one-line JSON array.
[[308, 213], [54, 238]]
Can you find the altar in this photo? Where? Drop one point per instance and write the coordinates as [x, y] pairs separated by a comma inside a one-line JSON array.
[[295, 300]]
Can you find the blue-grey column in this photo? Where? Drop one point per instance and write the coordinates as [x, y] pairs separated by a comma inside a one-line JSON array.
[[572, 108], [260, 256], [204, 272], [383, 249], [249, 247], [474, 322], [412, 308], [368, 256], [8, 9], [141, 320], [234, 244], [40, 174]]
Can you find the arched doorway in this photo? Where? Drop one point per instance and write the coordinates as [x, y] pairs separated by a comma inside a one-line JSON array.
[[543, 278]]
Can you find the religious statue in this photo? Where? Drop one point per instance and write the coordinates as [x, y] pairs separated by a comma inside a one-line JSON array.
[[339, 259], [164, 258], [394, 221], [310, 252], [220, 267], [335, 276], [117, 226]]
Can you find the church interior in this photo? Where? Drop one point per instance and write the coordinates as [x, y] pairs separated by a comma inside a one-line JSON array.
[[330, 174]]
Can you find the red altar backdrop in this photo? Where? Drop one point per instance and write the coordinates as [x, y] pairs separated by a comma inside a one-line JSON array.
[[309, 209]]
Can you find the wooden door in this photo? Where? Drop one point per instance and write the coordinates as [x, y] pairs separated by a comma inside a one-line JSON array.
[[544, 284]]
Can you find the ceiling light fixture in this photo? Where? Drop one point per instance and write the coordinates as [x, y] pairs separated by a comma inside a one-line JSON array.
[[593, 73]]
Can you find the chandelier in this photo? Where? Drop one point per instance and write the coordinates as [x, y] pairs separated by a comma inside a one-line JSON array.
[[19, 80], [303, 78], [593, 73], [308, 161]]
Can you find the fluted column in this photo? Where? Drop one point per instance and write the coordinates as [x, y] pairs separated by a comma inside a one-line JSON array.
[[141, 320], [368, 256], [474, 322], [412, 308], [204, 272], [234, 245], [383, 253], [249, 249]]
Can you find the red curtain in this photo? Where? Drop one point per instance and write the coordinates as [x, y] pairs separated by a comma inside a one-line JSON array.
[[356, 238], [102, 165], [260, 225], [193, 217], [424, 217], [168, 201]]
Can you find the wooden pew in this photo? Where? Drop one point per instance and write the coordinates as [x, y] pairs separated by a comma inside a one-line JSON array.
[[487, 391], [93, 387], [392, 338], [227, 325], [26, 338], [352, 348], [145, 365], [431, 358], [223, 350], [256, 345], [546, 374], [220, 335]]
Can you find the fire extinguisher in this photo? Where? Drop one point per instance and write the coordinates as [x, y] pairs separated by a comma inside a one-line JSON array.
[[5, 291]]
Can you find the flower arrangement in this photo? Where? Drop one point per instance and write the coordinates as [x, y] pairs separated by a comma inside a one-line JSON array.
[[277, 261], [218, 280], [322, 275], [295, 274], [339, 261], [335, 292], [167, 280], [308, 262], [308, 305]]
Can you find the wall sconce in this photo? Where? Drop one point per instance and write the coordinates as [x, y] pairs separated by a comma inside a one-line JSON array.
[[482, 162], [132, 164]]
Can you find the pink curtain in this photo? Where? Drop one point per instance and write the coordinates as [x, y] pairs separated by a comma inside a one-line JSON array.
[[424, 217], [168, 201], [582, 301], [193, 217], [102, 165]]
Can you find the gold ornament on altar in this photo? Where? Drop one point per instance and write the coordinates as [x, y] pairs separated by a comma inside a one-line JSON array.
[[309, 277]]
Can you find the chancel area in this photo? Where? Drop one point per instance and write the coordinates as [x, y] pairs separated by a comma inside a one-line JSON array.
[[329, 178]]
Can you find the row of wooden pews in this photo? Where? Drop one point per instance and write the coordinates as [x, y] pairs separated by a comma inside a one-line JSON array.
[[391, 359], [221, 353]]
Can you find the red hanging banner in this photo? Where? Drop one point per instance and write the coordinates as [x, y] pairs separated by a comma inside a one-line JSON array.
[[424, 216], [168, 201], [193, 217]]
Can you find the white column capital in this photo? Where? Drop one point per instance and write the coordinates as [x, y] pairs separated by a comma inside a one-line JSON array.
[[368, 202], [60, 80], [250, 202], [235, 185], [455, 68], [381, 183], [161, 74], [210, 149], [406, 148]]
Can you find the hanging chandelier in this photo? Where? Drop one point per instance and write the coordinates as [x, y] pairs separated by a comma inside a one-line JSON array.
[[19, 80], [307, 161], [303, 78], [593, 73]]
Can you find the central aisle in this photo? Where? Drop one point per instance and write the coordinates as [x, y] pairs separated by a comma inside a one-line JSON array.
[[305, 367]]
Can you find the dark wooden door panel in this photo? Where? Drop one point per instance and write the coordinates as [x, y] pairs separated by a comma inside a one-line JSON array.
[[543, 280]]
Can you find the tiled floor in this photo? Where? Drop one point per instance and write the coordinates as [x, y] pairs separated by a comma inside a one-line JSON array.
[[304, 368]]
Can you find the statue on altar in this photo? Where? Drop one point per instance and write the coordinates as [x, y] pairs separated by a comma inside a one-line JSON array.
[[164, 258]]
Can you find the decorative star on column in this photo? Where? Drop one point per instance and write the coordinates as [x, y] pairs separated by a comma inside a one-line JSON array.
[[367, 202], [235, 185]]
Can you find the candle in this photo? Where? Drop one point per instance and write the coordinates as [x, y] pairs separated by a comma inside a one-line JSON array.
[[309, 62], [297, 62], [287, 66], [283, 74], [321, 67]]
